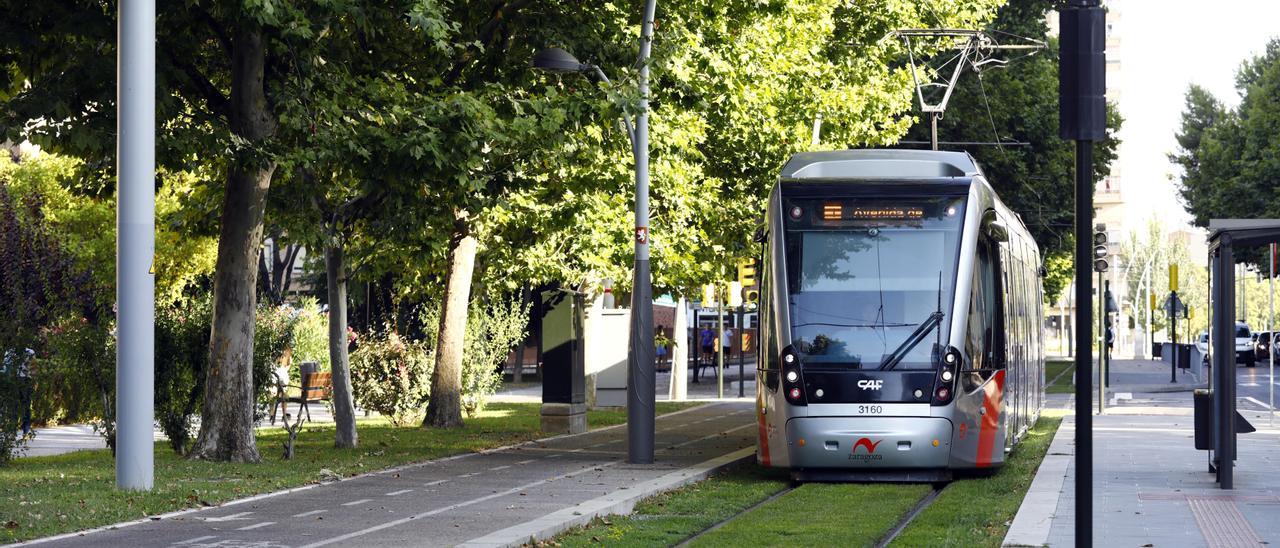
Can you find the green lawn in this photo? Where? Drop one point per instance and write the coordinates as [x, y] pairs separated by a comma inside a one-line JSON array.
[[826, 514], [41, 496], [977, 511], [669, 518], [821, 514], [1058, 375]]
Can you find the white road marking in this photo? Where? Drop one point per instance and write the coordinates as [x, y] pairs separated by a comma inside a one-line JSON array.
[[400, 492], [256, 526], [554, 456], [576, 450], [232, 517], [311, 513], [469, 475], [511, 491], [1251, 398], [193, 540], [436, 482], [355, 502], [526, 461], [495, 468]]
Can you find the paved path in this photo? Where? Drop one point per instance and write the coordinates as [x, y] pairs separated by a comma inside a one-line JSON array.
[[494, 498], [1151, 486]]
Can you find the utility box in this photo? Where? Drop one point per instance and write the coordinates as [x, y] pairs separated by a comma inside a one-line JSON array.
[[564, 403], [607, 338]]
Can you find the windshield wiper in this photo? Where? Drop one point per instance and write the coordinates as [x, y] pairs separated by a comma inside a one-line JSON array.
[[911, 341]]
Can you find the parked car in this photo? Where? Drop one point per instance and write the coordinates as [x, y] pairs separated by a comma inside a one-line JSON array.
[[1244, 345], [1202, 344], [1261, 343]]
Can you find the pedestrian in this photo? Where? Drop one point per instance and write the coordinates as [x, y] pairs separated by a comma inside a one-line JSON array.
[[660, 343], [707, 339], [726, 342]]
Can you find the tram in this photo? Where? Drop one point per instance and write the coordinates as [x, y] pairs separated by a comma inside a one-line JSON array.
[[900, 319]]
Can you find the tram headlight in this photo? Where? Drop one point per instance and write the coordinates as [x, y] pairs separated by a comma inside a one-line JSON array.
[[946, 375], [789, 358], [792, 376], [794, 393]]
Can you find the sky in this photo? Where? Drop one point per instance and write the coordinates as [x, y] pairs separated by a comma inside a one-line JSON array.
[[1165, 46]]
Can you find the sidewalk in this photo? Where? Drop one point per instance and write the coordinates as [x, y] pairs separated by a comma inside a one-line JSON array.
[[56, 440], [1151, 486], [501, 497]]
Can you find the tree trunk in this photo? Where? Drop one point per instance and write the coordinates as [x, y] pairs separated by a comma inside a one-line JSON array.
[[344, 411], [526, 300], [445, 407], [226, 419]]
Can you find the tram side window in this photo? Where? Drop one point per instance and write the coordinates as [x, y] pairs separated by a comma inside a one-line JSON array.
[[764, 332], [983, 309]]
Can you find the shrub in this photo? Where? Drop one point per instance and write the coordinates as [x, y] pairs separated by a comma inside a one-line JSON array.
[[272, 335], [493, 330], [392, 376], [310, 336], [182, 354]]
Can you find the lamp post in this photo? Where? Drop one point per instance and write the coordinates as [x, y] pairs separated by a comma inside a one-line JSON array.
[[640, 357]]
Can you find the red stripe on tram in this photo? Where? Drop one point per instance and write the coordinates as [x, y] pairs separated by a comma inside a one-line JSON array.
[[990, 423], [764, 437]]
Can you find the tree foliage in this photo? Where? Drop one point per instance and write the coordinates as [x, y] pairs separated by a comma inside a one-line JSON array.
[[1230, 158], [1018, 103]]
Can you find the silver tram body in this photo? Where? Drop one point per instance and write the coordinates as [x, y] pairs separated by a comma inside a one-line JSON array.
[[900, 319]]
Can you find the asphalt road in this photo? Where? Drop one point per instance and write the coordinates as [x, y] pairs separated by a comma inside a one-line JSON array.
[[448, 501]]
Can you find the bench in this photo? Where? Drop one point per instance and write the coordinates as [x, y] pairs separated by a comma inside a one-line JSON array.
[[316, 387]]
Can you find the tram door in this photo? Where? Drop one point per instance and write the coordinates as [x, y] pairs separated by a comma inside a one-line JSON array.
[[978, 441]]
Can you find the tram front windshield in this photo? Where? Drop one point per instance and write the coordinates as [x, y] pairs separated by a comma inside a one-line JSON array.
[[871, 280]]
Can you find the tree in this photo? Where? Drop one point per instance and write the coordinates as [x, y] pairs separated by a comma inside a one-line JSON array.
[[227, 65], [1018, 103], [736, 89], [1230, 158]]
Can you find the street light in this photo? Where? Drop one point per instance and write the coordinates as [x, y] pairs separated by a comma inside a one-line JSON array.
[[640, 357]]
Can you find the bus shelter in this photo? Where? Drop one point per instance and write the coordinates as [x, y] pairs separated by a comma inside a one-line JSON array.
[[1225, 235]]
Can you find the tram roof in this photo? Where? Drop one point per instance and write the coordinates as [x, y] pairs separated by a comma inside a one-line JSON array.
[[880, 164]]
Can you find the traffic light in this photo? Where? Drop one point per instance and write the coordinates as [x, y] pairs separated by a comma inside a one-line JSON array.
[[747, 273], [747, 279], [1100, 248]]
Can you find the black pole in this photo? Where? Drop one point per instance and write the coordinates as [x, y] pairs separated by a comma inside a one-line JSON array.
[[1084, 350], [1106, 333], [1082, 117], [1173, 335], [742, 363]]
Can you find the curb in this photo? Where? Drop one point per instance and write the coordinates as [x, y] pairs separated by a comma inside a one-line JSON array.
[[620, 502], [1034, 519]]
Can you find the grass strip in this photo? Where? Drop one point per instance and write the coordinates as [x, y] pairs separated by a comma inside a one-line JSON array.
[[668, 518], [1059, 375], [819, 514], [977, 511], [42, 496]]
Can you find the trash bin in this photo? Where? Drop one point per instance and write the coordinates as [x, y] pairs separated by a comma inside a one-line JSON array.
[[1203, 403], [1155, 350], [1184, 356]]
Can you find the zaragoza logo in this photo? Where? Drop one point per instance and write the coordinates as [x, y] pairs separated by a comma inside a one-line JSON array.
[[867, 444]]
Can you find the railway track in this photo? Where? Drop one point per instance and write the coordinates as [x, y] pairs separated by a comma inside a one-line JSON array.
[[920, 506], [744, 512]]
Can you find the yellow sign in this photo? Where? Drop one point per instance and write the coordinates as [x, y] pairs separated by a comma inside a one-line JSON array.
[[1173, 277], [1152, 305], [747, 273]]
